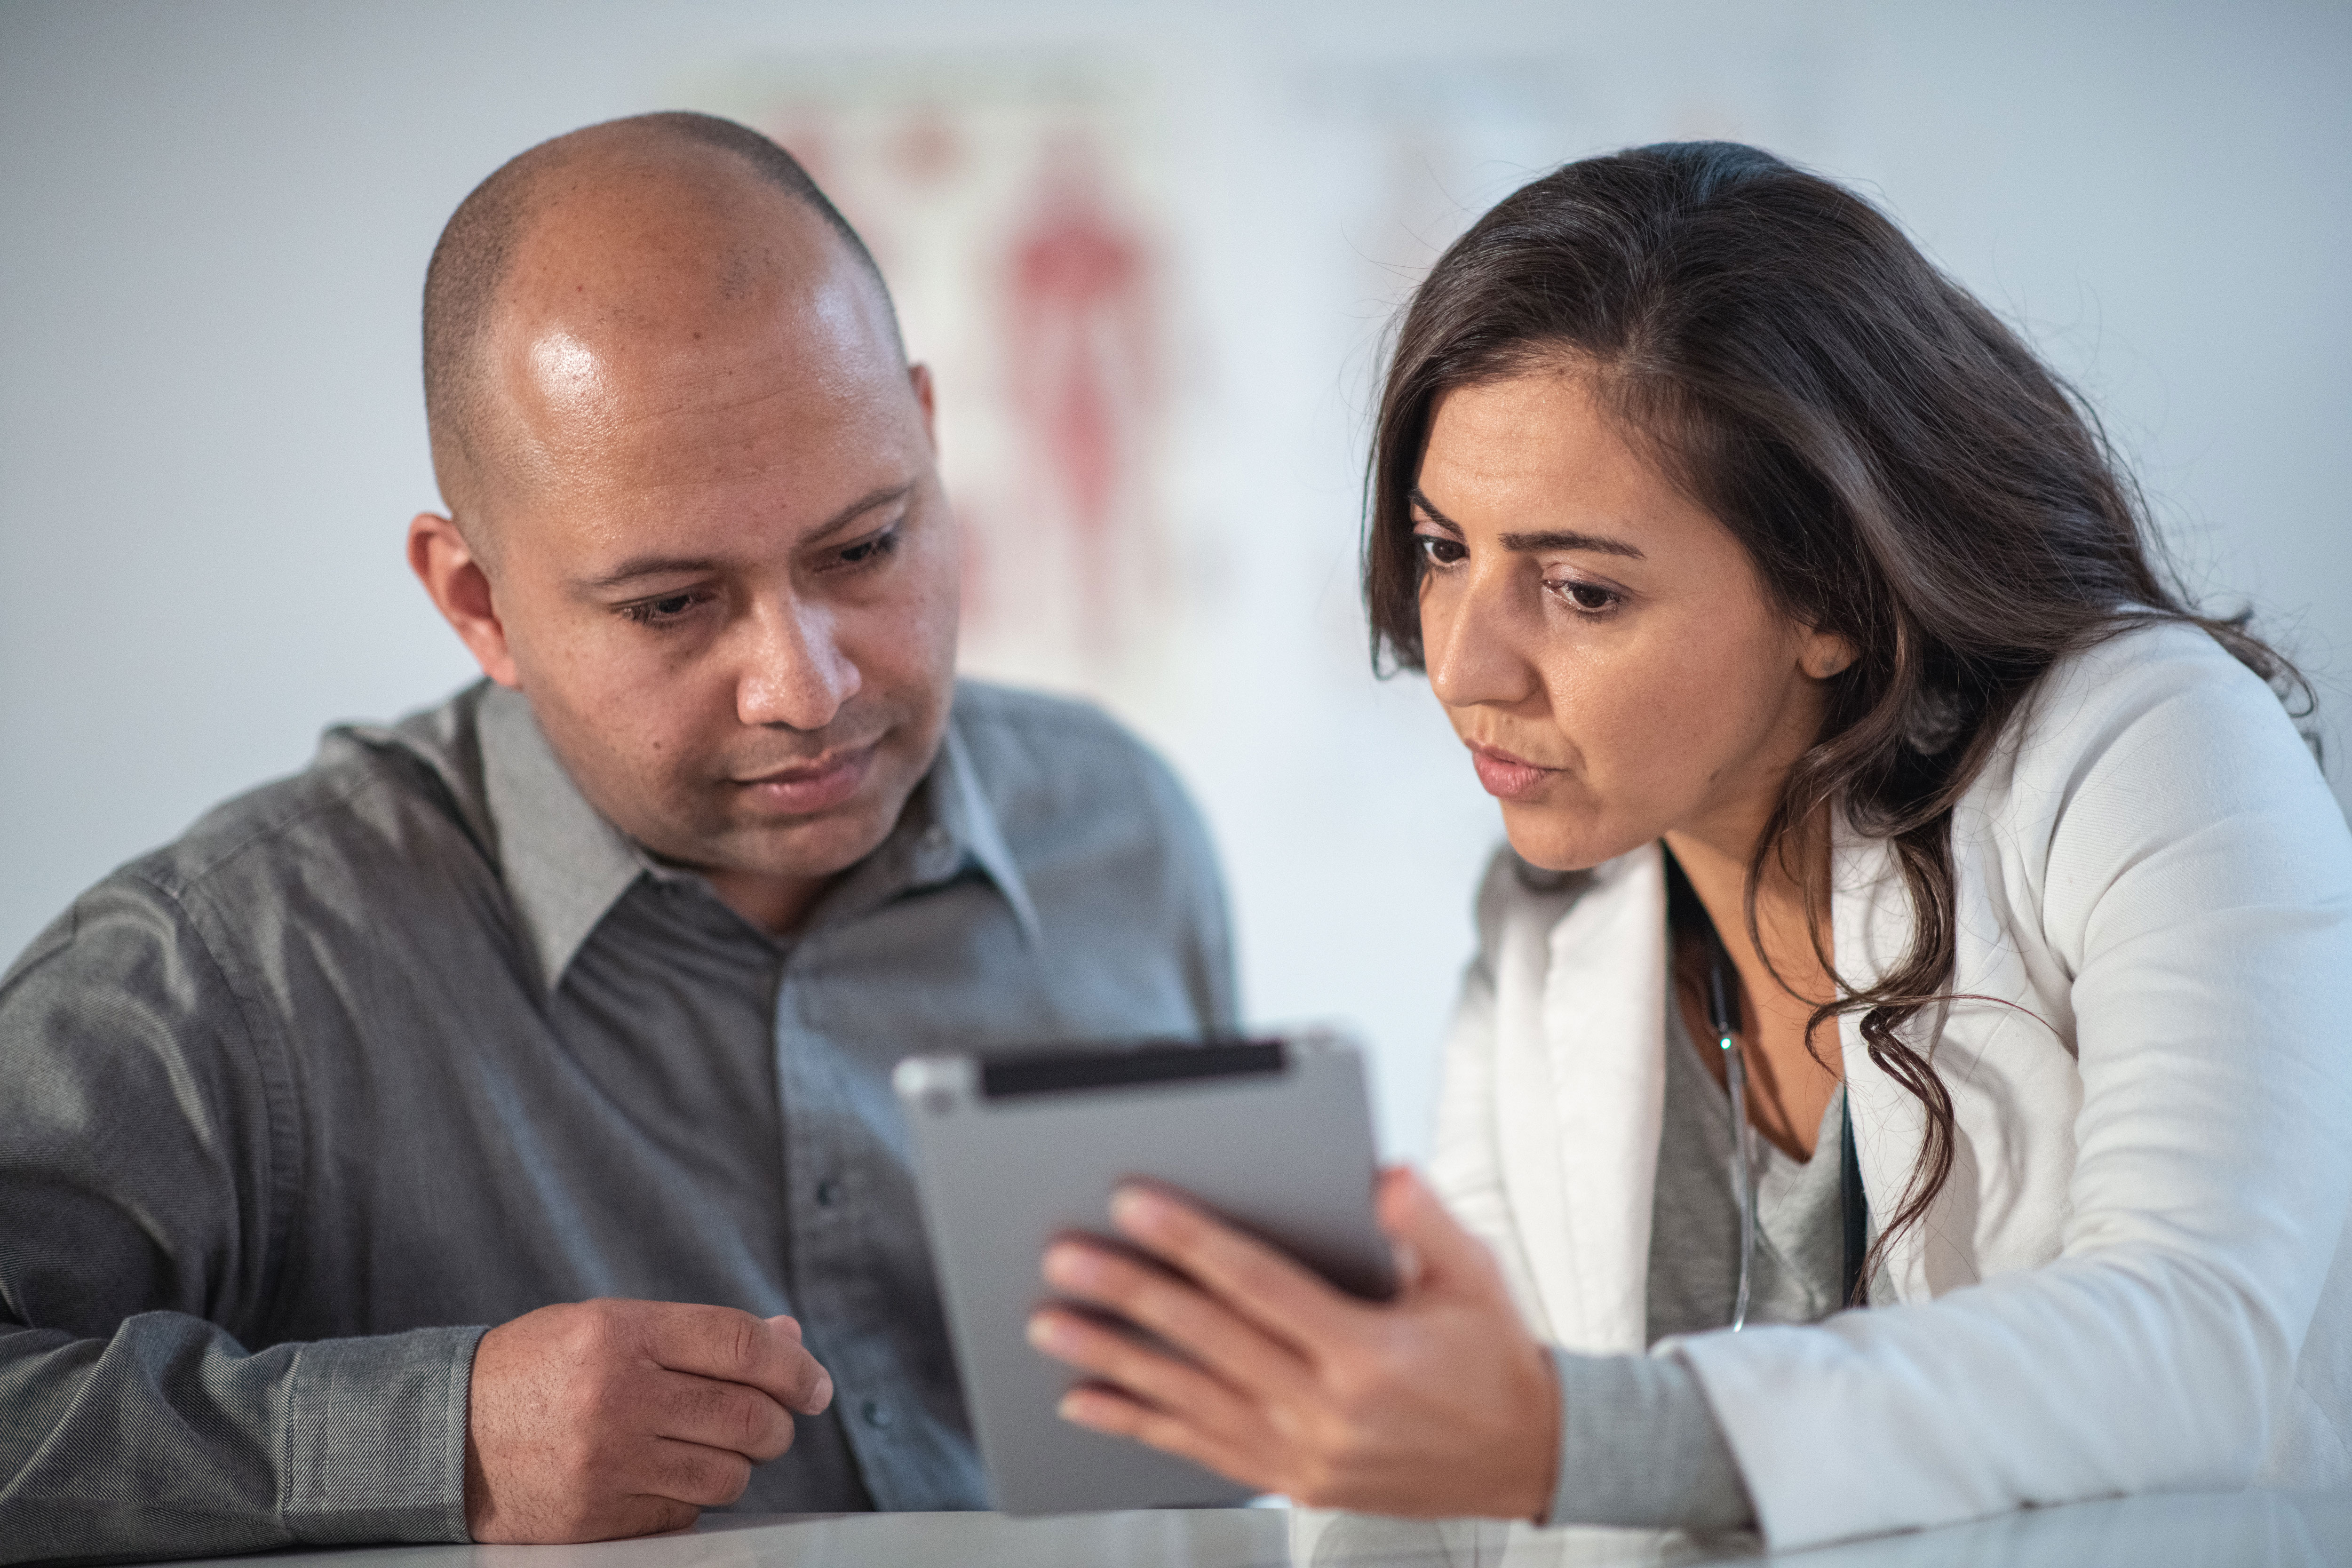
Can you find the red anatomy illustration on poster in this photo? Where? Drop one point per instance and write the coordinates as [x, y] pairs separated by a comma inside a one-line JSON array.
[[1081, 356]]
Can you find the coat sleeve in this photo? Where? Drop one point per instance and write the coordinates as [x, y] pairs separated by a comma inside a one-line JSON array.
[[146, 1163], [2197, 888]]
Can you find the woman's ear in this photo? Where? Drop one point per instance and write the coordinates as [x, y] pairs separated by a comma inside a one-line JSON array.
[[1823, 654]]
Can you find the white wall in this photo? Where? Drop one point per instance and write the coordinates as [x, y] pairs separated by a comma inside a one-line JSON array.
[[215, 218]]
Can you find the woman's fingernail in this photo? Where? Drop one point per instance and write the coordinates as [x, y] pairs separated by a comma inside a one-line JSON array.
[[1139, 1209], [823, 1397], [1070, 1268], [1076, 1409], [1048, 1334]]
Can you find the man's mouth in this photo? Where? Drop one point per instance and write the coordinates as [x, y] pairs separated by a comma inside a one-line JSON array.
[[1505, 777], [818, 785]]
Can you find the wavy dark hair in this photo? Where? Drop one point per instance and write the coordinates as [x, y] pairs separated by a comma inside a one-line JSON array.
[[1901, 468]]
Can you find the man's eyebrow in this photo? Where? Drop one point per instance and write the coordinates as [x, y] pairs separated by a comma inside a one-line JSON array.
[[640, 566], [1550, 539]]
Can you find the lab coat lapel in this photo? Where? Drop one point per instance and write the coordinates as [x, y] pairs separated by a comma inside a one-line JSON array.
[[1589, 1174]]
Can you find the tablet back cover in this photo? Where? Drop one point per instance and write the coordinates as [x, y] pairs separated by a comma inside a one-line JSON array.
[[1285, 1154]]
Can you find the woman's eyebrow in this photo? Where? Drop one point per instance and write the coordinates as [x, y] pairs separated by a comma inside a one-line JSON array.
[[1420, 503], [1564, 539], [1549, 539]]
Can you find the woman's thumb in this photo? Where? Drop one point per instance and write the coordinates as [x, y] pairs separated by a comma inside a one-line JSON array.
[[1429, 1244]]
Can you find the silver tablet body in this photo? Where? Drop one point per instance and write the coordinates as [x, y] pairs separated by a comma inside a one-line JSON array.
[[1012, 1151]]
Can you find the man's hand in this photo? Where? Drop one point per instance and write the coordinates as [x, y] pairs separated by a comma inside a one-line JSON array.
[[613, 1418], [1435, 1403]]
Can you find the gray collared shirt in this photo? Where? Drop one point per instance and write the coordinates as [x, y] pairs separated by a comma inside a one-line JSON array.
[[415, 1042]]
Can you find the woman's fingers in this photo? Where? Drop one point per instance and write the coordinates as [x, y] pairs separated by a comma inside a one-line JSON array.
[[1117, 1357], [1207, 1330], [1108, 1411], [1278, 1295]]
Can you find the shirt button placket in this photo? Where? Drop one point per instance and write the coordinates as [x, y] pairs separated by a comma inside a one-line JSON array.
[[823, 1243]]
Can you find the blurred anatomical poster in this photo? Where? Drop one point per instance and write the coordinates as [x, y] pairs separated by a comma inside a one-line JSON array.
[[1016, 212]]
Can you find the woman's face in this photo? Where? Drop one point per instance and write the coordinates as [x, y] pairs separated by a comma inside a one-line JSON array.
[[1601, 643]]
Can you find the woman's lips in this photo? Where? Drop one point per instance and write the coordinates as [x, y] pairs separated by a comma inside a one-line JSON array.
[[813, 786], [1507, 777]]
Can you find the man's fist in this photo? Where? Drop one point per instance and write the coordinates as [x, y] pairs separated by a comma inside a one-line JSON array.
[[615, 1418]]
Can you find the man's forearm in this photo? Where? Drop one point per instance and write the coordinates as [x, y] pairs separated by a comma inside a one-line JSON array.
[[171, 1439]]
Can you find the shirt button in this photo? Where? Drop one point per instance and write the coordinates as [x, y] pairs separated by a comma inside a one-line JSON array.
[[876, 1414], [935, 839], [828, 1193]]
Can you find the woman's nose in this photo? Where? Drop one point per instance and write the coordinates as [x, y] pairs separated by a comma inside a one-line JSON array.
[[1470, 644]]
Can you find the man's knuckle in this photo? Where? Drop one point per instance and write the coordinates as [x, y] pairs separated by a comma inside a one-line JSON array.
[[596, 1332], [743, 1337], [748, 1419], [657, 1515], [597, 1400], [710, 1478]]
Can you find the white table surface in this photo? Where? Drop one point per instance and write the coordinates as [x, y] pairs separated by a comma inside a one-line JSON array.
[[2246, 1529]]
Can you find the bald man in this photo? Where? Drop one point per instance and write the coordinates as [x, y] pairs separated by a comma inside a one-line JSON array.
[[486, 1133]]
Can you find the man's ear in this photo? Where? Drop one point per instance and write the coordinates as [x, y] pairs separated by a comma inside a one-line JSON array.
[[453, 576], [919, 376], [1824, 654]]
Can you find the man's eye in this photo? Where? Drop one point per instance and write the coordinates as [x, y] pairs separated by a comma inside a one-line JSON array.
[[1438, 551], [866, 552], [661, 611]]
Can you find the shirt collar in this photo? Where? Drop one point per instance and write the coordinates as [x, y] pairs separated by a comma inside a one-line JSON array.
[[566, 866], [964, 831]]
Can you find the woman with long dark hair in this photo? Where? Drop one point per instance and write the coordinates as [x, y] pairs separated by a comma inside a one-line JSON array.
[[1903, 1076]]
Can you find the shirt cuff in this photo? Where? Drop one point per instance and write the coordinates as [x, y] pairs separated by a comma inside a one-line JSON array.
[[1639, 1447], [375, 1437]]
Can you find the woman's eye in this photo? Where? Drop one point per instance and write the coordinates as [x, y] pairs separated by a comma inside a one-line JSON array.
[[1438, 551], [1589, 597]]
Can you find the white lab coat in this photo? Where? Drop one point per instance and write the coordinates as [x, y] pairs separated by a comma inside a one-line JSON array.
[[2137, 1277]]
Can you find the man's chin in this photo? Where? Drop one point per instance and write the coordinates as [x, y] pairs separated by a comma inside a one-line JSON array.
[[809, 848]]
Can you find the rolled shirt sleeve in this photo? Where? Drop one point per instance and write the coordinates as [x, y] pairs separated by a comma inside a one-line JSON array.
[[170, 1438], [144, 1172]]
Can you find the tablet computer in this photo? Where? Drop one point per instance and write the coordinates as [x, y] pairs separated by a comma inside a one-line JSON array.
[[1013, 1149]]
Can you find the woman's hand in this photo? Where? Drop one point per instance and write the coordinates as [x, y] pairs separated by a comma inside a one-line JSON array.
[[1435, 1403]]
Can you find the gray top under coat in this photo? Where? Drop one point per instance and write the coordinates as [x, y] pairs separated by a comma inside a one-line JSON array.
[[1639, 1444]]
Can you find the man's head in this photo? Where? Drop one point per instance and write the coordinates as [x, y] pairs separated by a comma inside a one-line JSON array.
[[694, 513]]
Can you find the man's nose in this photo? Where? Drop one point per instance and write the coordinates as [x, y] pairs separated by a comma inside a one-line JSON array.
[[1472, 643], [795, 672]]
